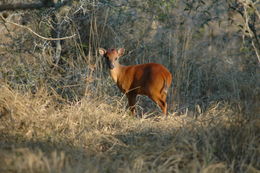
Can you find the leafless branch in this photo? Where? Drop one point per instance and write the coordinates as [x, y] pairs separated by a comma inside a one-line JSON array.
[[255, 43], [33, 32]]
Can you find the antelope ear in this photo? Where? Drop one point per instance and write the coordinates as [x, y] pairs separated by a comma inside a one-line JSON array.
[[102, 51], [121, 51]]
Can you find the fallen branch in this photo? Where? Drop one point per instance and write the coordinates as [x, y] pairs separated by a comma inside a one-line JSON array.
[[33, 32]]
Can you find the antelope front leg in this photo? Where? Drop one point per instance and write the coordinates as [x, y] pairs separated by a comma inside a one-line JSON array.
[[131, 102]]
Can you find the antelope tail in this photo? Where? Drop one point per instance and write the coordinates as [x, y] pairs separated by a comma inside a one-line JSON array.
[[165, 87]]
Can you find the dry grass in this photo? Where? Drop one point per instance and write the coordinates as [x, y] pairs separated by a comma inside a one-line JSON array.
[[38, 135]]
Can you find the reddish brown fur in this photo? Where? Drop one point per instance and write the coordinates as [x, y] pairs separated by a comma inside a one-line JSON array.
[[151, 79], [111, 52]]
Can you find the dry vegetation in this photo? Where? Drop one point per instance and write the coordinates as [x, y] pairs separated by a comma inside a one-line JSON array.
[[60, 112]]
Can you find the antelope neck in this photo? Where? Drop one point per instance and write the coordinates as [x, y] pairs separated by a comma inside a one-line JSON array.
[[116, 72]]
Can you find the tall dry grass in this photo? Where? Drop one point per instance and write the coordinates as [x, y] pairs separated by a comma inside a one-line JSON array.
[[60, 112]]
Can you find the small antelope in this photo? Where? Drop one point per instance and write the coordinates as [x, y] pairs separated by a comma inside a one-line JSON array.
[[151, 79]]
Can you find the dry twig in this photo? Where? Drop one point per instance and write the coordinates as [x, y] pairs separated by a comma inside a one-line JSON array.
[[33, 32]]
